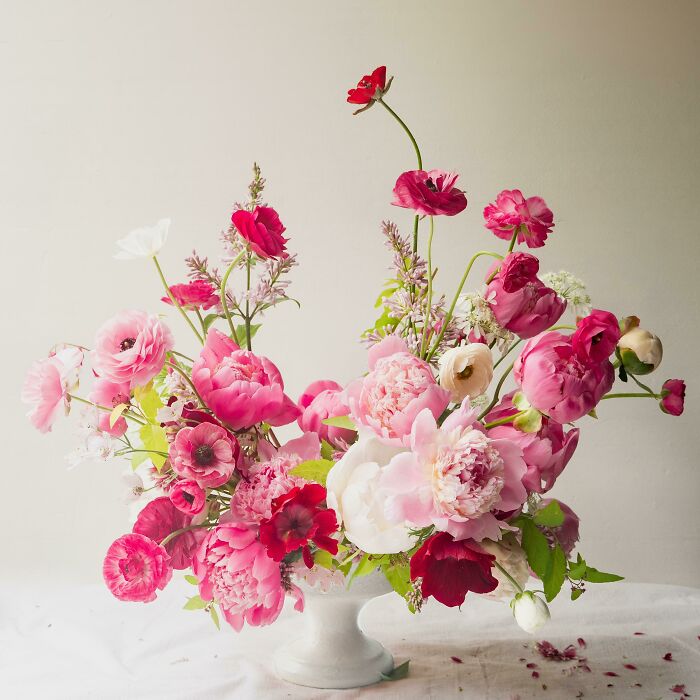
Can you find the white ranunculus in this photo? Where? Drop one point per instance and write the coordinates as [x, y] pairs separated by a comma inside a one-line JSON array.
[[510, 555], [359, 502], [466, 371], [647, 348], [530, 611], [143, 242]]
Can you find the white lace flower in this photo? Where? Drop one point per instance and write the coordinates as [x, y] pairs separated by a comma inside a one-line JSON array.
[[143, 242], [570, 288], [95, 444]]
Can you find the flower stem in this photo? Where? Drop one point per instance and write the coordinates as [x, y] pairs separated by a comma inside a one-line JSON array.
[[406, 129], [125, 414], [632, 395], [496, 394], [175, 301], [224, 302], [640, 385], [503, 421], [248, 343], [179, 354], [429, 300], [184, 375], [518, 587], [179, 532], [511, 245], [507, 352]]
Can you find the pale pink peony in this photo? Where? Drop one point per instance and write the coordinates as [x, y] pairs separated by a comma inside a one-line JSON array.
[[160, 518], [325, 399], [110, 394], [531, 217], [430, 193], [398, 387], [546, 452], [188, 496], [557, 381], [241, 388], [206, 453], [234, 570], [47, 385], [135, 567], [198, 294], [454, 477], [130, 348]]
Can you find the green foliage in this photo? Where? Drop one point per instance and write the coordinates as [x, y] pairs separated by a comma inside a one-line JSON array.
[[195, 603], [556, 574], [327, 450], [536, 547], [240, 330], [324, 559], [313, 470], [154, 440], [116, 413], [594, 576], [214, 616], [340, 422], [192, 579], [209, 320], [549, 516], [149, 400], [399, 673]]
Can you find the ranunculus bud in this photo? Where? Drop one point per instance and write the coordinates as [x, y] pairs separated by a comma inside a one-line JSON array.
[[530, 611], [640, 350], [466, 371]]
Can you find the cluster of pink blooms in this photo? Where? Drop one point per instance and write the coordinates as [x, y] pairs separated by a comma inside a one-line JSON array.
[[418, 455]]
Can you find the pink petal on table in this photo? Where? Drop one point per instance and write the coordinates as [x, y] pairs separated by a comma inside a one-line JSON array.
[[640, 634], [456, 659], [668, 656], [631, 667], [611, 673], [531, 665], [535, 674]]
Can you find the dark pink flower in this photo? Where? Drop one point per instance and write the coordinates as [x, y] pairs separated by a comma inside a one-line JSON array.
[[194, 295], [567, 533], [596, 336], [673, 393], [187, 496], [263, 230], [369, 88], [531, 217], [430, 193], [320, 400]]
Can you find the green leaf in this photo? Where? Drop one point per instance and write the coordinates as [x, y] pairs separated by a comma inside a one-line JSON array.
[[537, 548], [340, 422], [367, 564], [324, 559], [240, 330], [384, 294], [214, 616], [138, 458], [313, 470], [192, 579], [116, 413], [528, 422], [398, 576], [195, 603], [327, 450], [520, 402], [399, 673], [149, 400], [576, 593], [594, 576], [209, 320], [154, 438], [577, 570], [556, 574], [549, 516]]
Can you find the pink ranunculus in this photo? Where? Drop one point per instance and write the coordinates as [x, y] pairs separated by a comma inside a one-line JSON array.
[[325, 399], [160, 518], [234, 570], [47, 385], [398, 387], [567, 533], [263, 230], [110, 394], [135, 568], [546, 452], [557, 381], [596, 336], [520, 301], [206, 453], [187, 496], [130, 348], [241, 388], [198, 294], [673, 397], [454, 477], [531, 217], [429, 193]]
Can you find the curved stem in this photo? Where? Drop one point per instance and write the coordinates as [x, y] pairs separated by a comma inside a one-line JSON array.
[[184, 357], [179, 532], [224, 301], [507, 352], [175, 301], [631, 395], [184, 375], [125, 414], [511, 245], [496, 394], [248, 343], [406, 129], [503, 421], [562, 328], [518, 587], [429, 300], [639, 384]]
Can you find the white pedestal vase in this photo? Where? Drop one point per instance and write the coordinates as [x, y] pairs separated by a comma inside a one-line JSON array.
[[333, 651]]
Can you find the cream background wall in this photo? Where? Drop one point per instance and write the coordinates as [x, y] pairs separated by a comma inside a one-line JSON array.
[[116, 114]]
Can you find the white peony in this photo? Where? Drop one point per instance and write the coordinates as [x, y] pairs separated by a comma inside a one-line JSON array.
[[466, 371], [359, 502], [143, 242], [530, 611]]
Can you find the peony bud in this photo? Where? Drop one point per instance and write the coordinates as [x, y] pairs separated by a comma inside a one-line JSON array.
[[466, 371], [530, 611], [640, 350]]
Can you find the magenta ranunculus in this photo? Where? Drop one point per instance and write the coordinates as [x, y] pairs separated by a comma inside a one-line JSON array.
[[557, 381], [325, 399], [198, 294], [520, 301], [241, 388], [531, 217], [160, 518], [596, 336], [546, 452], [206, 453], [135, 567], [130, 348], [234, 570], [110, 394], [673, 397], [263, 230], [430, 193], [398, 387], [187, 496]]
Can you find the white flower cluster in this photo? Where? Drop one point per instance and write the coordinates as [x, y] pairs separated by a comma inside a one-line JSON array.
[[474, 313], [571, 288]]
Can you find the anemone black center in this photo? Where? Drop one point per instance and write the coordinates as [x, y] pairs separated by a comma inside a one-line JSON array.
[[204, 455], [127, 344], [431, 185]]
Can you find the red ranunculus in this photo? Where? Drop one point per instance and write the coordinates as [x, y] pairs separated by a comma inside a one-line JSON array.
[[263, 230], [194, 295], [449, 569], [429, 193], [596, 336], [673, 397], [366, 90], [297, 520]]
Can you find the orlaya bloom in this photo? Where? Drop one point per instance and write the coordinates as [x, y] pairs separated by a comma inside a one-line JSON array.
[[198, 294], [111, 394], [531, 218], [596, 336], [429, 193], [369, 88], [263, 230], [673, 397], [297, 519], [454, 477], [188, 496], [47, 386], [143, 242], [449, 569]]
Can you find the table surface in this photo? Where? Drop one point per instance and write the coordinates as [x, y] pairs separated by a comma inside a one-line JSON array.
[[79, 643]]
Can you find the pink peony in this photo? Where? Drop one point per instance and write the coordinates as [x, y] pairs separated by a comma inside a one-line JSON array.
[[160, 518], [47, 385], [596, 336], [320, 400], [241, 388], [110, 394], [263, 230], [398, 387], [235, 571], [194, 295], [454, 477], [187, 496], [130, 348], [135, 567], [519, 299], [546, 452], [429, 193], [557, 381], [206, 454], [531, 217], [673, 397]]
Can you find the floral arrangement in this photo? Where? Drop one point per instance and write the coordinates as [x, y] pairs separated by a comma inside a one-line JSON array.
[[420, 470]]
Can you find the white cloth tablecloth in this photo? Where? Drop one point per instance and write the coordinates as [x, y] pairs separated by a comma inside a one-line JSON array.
[[79, 643]]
